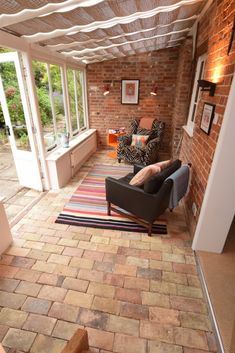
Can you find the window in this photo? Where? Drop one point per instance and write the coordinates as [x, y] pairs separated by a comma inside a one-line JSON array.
[[76, 100], [51, 102], [196, 93]]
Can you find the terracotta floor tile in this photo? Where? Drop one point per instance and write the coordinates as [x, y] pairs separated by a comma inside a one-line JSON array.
[[78, 299], [37, 306], [52, 293], [12, 318], [75, 284], [100, 339], [128, 295], [190, 338], [64, 312], [45, 344], [64, 330], [125, 343], [133, 293], [11, 300], [92, 318], [28, 288], [8, 284], [123, 325], [135, 311], [40, 324], [22, 340]]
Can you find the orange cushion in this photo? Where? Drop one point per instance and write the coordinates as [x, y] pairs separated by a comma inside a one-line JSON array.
[[139, 140], [144, 174], [146, 123]]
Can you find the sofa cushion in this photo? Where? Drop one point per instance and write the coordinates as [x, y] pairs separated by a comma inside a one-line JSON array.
[[153, 184], [139, 140], [144, 174]]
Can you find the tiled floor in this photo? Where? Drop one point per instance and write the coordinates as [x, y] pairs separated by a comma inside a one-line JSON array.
[[17, 198], [133, 293]]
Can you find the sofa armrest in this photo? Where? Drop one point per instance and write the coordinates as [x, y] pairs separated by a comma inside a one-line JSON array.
[[125, 140]]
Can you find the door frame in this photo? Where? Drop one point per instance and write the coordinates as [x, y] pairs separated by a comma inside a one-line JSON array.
[[218, 205], [27, 156]]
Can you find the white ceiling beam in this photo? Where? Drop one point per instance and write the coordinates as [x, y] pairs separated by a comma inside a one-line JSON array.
[[92, 50], [48, 9], [100, 58], [57, 47], [40, 36]]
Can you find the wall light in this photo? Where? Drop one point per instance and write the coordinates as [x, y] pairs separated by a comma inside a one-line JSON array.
[[154, 91], [106, 90], [207, 86]]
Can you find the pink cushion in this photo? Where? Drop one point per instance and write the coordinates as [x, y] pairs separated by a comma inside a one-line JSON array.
[[144, 174], [146, 123], [139, 140], [164, 164]]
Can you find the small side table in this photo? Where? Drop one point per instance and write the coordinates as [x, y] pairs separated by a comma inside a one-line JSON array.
[[112, 140]]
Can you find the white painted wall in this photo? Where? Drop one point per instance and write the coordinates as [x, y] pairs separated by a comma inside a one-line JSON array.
[[218, 206]]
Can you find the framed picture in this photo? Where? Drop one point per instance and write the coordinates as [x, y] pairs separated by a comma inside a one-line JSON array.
[[207, 117], [130, 91]]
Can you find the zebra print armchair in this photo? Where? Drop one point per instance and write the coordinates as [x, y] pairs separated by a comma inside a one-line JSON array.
[[141, 155]]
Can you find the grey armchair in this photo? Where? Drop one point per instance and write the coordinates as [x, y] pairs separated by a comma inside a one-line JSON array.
[[144, 204]]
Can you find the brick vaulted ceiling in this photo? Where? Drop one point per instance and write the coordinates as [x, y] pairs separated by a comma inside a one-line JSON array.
[[97, 30]]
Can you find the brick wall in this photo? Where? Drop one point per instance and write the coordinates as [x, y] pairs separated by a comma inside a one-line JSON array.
[[105, 112], [213, 37]]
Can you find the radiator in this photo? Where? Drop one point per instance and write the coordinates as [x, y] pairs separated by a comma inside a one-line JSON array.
[[81, 153]]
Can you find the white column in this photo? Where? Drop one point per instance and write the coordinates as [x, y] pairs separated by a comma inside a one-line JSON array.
[[218, 205]]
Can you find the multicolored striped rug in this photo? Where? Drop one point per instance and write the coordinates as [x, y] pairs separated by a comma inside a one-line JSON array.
[[88, 207]]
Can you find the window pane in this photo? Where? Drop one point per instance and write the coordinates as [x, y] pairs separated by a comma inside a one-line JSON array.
[[58, 100], [42, 87], [72, 100], [14, 105], [79, 99]]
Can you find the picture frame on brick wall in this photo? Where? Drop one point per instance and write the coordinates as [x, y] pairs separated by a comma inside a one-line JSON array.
[[130, 91], [207, 117]]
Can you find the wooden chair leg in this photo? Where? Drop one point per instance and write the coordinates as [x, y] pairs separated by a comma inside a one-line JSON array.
[[150, 229], [109, 208]]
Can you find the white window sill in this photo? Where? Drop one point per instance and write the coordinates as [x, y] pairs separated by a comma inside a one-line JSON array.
[[59, 152], [188, 130]]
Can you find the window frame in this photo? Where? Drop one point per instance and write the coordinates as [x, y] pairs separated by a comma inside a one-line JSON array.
[[81, 73], [196, 93]]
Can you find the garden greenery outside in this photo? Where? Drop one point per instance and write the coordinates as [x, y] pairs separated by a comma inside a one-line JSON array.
[[52, 115]]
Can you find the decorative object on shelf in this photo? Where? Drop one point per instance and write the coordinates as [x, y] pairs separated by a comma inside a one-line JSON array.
[[65, 140], [130, 91], [207, 86], [231, 37], [154, 91], [106, 90], [207, 117]]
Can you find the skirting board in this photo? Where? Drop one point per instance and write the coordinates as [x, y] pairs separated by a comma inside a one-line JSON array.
[[210, 307]]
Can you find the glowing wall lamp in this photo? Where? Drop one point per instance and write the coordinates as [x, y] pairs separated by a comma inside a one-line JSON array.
[[154, 91], [106, 90], [207, 86]]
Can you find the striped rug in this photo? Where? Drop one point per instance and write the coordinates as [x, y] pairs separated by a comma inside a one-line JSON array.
[[88, 207]]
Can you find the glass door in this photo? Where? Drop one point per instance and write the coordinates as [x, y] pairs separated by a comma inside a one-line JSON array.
[[19, 127]]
